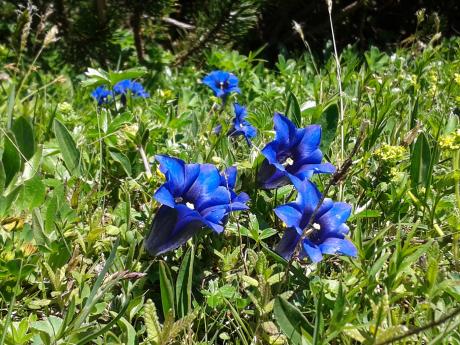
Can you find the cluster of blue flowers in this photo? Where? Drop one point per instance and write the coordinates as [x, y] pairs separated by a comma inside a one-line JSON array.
[[195, 196], [223, 84], [103, 95]]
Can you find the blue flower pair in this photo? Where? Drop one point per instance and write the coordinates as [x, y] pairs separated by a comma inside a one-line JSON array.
[[194, 196], [293, 157], [223, 84], [103, 95]]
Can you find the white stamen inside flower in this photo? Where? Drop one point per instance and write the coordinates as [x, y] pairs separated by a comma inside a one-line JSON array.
[[288, 161], [316, 226], [190, 205]]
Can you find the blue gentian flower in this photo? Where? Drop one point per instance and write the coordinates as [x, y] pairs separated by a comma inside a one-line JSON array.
[[216, 130], [222, 83], [240, 126], [136, 89], [329, 228], [194, 196], [101, 95], [294, 151]]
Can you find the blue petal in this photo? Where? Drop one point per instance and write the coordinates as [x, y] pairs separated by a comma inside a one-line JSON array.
[[289, 214], [335, 217], [174, 170], [191, 173], [171, 228], [232, 81], [216, 130], [122, 87], [240, 112], [310, 140], [228, 177], [269, 177], [164, 196], [302, 157], [270, 152], [312, 251], [285, 130], [241, 198], [219, 196], [338, 246], [214, 218], [308, 194], [208, 180], [287, 245], [307, 170]]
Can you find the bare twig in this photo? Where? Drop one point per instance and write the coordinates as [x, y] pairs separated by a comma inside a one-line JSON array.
[[178, 23]]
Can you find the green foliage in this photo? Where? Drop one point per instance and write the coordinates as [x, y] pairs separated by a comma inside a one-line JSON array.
[[76, 185]]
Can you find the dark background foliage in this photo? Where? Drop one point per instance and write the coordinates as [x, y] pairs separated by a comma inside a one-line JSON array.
[[112, 31]]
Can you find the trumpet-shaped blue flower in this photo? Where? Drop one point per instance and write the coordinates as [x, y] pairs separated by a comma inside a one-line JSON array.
[[136, 89], [101, 95], [294, 151], [240, 126], [328, 231], [222, 83], [194, 196]]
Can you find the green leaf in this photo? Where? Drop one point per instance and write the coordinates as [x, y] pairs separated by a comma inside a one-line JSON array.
[[2, 178], [292, 322], [11, 159], [329, 120], [69, 150], [32, 193], [131, 73], [128, 331], [293, 110], [420, 161], [123, 160], [166, 289], [25, 138], [184, 284]]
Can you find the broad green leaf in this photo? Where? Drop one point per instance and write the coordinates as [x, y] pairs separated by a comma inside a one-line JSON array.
[[32, 193], [293, 110], [128, 331], [11, 159], [119, 121], [7, 201], [69, 150], [420, 161], [95, 77], [50, 325], [184, 284], [24, 134], [292, 322], [131, 73], [166, 289], [123, 160]]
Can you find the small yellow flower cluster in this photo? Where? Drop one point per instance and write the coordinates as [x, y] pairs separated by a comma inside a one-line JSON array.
[[396, 175], [390, 153], [450, 141], [433, 80], [457, 78]]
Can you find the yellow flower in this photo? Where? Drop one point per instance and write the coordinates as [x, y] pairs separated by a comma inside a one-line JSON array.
[[390, 153], [451, 141], [457, 78]]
